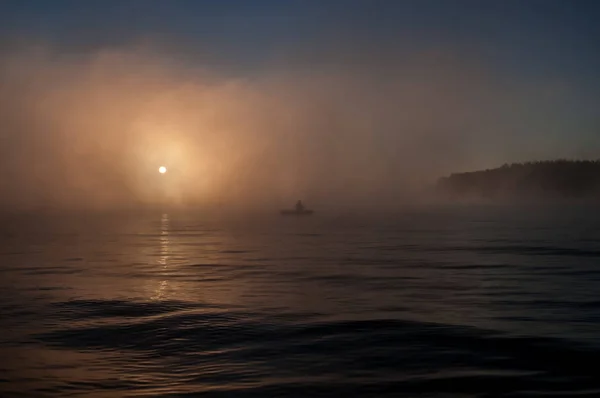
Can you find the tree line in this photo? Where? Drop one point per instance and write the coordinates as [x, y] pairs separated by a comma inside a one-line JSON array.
[[556, 178]]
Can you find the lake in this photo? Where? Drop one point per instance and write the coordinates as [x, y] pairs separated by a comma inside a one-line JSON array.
[[451, 301]]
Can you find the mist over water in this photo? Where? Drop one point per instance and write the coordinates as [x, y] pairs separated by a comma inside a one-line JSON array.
[[89, 129], [147, 148]]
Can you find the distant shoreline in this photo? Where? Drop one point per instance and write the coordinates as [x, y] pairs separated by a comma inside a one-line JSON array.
[[553, 180]]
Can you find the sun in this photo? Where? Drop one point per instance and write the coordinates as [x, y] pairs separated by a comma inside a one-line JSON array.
[[162, 169]]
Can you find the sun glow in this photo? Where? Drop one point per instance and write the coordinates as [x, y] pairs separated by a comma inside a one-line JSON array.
[[162, 169]]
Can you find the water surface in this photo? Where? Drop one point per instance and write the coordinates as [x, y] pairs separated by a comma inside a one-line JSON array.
[[482, 301]]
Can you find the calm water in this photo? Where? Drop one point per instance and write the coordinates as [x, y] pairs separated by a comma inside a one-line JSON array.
[[439, 302]]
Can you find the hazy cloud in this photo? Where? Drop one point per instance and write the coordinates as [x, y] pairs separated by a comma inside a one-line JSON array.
[[91, 129]]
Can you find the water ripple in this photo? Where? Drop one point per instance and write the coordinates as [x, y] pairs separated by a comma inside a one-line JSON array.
[[455, 305]]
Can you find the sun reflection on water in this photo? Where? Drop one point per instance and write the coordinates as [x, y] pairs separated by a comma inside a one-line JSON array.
[[164, 255]]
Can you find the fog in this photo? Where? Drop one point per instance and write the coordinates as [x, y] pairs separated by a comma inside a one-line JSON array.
[[90, 130]]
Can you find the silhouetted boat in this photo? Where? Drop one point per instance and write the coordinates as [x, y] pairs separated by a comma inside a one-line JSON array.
[[300, 210]]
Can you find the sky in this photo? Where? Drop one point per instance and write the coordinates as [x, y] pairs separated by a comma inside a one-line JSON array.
[[268, 101]]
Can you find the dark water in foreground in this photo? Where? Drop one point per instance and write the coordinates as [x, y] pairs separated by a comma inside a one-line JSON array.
[[455, 302]]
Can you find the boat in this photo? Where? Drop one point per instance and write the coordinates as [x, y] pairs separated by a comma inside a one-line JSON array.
[[299, 210]]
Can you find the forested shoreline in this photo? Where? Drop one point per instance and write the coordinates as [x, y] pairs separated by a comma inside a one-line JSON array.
[[549, 179]]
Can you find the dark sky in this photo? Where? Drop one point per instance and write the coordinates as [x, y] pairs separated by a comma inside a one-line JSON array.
[[481, 82], [551, 37], [554, 39]]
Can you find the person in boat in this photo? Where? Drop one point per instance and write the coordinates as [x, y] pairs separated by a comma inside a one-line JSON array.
[[299, 207]]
